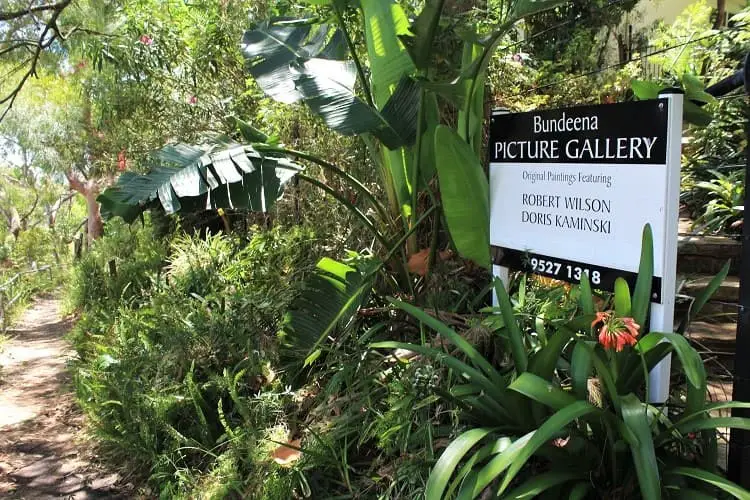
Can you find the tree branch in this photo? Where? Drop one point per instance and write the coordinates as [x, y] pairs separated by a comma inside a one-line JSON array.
[[75, 182], [41, 44], [31, 210], [9, 16]]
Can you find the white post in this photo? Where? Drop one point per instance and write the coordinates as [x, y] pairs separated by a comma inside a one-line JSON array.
[[503, 273], [662, 315]]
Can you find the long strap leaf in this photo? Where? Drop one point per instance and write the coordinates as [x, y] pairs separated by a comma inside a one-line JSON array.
[[474, 356], [643, 284], [641, 446], [712, 479], [449, 460], [542, 435], [517, 347]]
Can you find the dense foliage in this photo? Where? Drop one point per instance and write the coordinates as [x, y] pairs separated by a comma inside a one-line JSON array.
[[298, 305], [176, 349]]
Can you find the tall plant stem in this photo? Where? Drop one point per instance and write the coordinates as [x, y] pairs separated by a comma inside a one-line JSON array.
[[396, 246], [353, 52], [433, 245], [385, 174], [479, 67], [417, 163], [333, 169], [353, 209]]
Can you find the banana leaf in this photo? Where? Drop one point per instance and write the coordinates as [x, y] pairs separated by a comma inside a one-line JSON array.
[[297, 60], [194, 178], [327, 307], [461, 179]]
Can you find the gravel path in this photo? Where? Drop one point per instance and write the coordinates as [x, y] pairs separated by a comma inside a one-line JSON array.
[[42, 455]]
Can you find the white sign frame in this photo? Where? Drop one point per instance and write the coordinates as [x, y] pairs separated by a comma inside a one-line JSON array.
[[662, 313]]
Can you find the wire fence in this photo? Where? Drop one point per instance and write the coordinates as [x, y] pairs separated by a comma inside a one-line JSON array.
[[13, 290]]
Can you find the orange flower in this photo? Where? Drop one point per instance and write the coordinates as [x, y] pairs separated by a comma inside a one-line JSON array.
[[601, 317], [616, 333]]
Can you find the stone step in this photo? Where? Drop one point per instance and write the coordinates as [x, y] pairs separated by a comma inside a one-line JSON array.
[[718, 334], [714, 341], [723, 304], [694, 284], [707, 254]]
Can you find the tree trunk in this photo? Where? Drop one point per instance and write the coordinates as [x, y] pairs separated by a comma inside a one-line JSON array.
[[721, 12], [15, 222], [89, 190]]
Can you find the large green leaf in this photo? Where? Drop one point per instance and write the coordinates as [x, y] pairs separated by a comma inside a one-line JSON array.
[[622, 298], [193, 178], [449, 460], [694, 92], [471, 115], [643, 284], [545, 360], [431, 113], [111, 206], [547, 431], [500, 463], [385, 22], [540, 483], [274, 46], [645, 89], [296, 60], [709, 291], [420, 46], [641, 446], [464, 191], [580, 369], [705, 411], [541, 390], [633, 373], [692, 365], [467, 475], [515, 335], [326, 307], [712, 479], [713, 423]]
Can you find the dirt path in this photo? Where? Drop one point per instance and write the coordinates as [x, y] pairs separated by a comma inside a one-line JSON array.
[[41, 453]]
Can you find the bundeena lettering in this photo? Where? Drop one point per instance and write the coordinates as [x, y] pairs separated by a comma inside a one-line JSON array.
[[565, 124], [591, 149]]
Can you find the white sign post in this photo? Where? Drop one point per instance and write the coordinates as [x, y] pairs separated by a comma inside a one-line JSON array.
[[571, 190]]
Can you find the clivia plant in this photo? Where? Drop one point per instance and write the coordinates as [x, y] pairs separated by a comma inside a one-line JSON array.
[[569, 418]]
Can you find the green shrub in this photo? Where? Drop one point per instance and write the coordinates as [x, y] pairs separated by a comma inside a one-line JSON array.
[[137, 256], [177, 378]]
